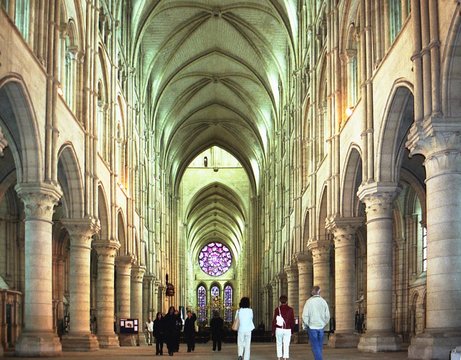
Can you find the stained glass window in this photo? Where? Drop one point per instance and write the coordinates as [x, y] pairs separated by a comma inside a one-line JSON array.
[[201, 302], [228, 303], [215, 259]]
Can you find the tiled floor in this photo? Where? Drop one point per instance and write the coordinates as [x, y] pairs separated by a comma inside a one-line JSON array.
[[259, 351]]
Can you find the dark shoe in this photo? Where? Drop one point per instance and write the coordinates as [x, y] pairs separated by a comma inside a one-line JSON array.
[[240, 358]]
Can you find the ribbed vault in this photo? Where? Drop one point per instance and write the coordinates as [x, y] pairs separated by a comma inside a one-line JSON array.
[[216, 214], [212, 74]]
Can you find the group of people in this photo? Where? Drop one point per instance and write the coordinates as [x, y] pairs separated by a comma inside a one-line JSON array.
[[166, 329], [315, 316]]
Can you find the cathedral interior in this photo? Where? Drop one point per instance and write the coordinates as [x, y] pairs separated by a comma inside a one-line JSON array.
[[189, 153]]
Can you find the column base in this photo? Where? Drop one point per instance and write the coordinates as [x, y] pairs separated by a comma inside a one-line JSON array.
[[142, 339], [127, 340], [379, 342], [87, 342], [343, 340], [108, 341], [434, 345], [31, 344], [302, 337]]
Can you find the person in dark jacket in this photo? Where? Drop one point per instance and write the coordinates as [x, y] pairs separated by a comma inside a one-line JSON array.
[[189, 330], [283, 324], [159, 333], [170, 328], [179, 324], [216, 327]]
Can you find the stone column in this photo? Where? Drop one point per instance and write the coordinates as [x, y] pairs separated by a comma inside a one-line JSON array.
[[283, 285], [80, 337], [305, 283], [379, 336], [106, 251], [293, 292], [443, 186], [137, 274], [293, 287], [38, 337], [123, 293], [344, 230], [275, 293], [148, 297], [321, 266]]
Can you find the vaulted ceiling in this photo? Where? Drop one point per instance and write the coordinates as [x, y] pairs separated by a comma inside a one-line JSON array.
[[213, 72]]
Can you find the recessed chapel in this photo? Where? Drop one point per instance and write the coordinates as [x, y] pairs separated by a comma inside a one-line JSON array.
[[189, 153]]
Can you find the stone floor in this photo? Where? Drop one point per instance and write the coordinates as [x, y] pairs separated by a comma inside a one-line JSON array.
[[259, 351]]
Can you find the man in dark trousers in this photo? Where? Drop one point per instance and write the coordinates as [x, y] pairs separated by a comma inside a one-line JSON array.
[[216, 327], [189, 330]]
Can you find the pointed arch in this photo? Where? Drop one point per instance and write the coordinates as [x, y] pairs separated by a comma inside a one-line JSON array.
[[121, 234], [103, 214], [20, 128], [352, 179], [451, 74], [70, 180], [398, 117]]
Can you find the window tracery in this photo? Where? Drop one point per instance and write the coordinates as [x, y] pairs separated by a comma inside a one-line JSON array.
[[215, 259]]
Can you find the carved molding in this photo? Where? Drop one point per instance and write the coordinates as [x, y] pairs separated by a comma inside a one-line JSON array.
[[291, 272], [81, 230], [39, 200], [378, 198], [123, 264], [320, 250], [344, 229], [106, 250], [137, 273], [434, 135], [3, 142]]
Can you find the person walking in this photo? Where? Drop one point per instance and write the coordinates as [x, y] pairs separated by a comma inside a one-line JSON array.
[[149, 327], [316, 316], [170, 328], [189, 330], [246, 326], [283, 323], [216, 327], [159, 333]]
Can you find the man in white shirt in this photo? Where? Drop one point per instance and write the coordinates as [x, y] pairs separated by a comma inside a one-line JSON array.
[[149, 331], [316, 315]]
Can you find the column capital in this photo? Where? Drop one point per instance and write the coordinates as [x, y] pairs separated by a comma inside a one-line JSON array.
[[302, 257], [344, 229], [281, 276], [319, 249], [434, 135], [137, 273], [291, 271], [39, 199], [378, 198], [106, 248], [148, 278], [81, 230], [124, 260], [438, 139]]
